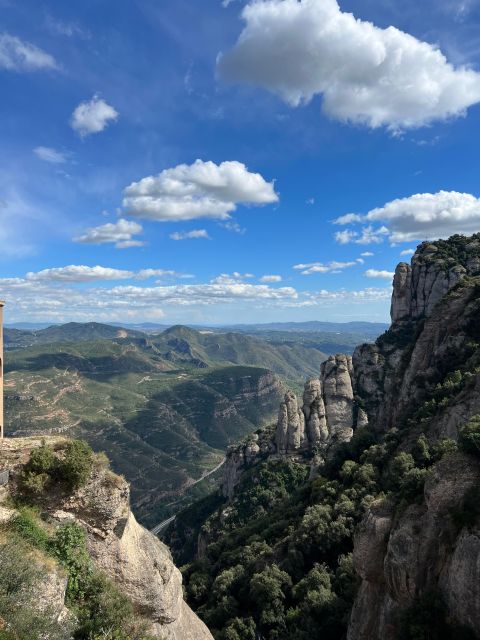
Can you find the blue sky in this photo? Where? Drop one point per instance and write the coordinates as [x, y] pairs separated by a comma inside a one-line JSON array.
[[106, 107]]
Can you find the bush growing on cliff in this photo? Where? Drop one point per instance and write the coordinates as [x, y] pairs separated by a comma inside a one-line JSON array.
[[20, 584], [45, 468], [77, 465], [470, 437]]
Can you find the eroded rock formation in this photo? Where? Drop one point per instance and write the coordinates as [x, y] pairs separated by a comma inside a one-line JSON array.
[[139, 564]]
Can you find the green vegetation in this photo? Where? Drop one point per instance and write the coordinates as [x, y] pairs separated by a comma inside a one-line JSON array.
[[70, 470], [454, 250], [20, 577], [278, 561], [470, 437], [100, 610], [164, 408]]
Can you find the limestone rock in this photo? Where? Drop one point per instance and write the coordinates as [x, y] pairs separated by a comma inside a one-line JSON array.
[[139, 564], [240, 457], [417, 288], [336, 377], [290, 434], [418, 552]]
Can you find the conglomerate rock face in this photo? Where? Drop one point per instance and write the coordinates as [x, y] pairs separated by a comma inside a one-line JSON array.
[[436, 330], [399, 558], [327, 414], [419, 287], [139, 564]]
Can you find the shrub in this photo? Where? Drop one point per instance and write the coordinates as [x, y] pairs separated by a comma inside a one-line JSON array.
[[19, 579], [240, 629], [77, 464], [39, 470], [443, 447], [469, 437], [26, 525], [35, 483], [42, 460], [70, 547]]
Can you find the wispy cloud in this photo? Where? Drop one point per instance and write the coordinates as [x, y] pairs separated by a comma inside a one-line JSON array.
[[20, 55], [48, 154], [189, 235]]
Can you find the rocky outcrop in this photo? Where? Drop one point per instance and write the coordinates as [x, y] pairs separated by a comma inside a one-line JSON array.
[[328, 414], [290, 434], [422, 551], [419, 287], [239, 457], [405, 380], [139, 564]]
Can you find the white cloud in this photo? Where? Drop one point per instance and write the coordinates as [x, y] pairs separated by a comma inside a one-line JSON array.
[[320, 267], [67, 29], [41, 298], [370, 293], [47, 154], [78, 273], [233, 226], [92, 117], [119, 233], [407, 252], [73, 274], [232, 278], [382, 274], [129, 244], [423, 216], [200, 190], [19, 55], [187, 235], [368, 235], [51, 300], [429, 216], [367, 254], [367, 75], [271, 278], [348, 218], [145, 274]]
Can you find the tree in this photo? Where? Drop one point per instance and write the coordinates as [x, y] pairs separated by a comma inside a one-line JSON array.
[[470, 436]]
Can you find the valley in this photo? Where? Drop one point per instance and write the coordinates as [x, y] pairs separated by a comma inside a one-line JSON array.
[[162, 406]]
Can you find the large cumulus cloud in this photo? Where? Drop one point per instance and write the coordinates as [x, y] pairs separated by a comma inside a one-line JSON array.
[[367, 75]]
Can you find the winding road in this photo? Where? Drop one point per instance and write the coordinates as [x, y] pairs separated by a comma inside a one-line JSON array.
[[163, 525]]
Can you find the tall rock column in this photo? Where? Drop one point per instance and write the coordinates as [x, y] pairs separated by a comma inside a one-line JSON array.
[[328, 412], [290, 434], [336, 377]]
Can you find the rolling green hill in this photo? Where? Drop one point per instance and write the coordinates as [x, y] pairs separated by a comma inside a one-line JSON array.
[[163, 407]]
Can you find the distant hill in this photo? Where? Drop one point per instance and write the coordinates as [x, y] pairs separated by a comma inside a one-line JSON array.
[[70, 332], [163, 407], [373, 329]]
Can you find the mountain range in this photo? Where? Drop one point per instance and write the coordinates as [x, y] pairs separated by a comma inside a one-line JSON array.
[[357, 515]]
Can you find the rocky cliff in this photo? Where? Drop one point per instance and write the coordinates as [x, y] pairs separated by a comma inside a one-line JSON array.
[[420, 380], [423, 376], [134, 559], [328, 415]]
